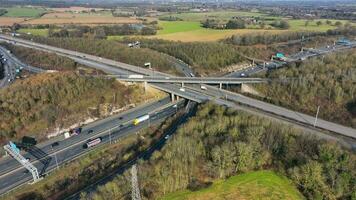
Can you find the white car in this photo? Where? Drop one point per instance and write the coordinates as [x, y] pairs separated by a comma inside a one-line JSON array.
[[203, 87], [182, 89], [242, 74], [166, 137]]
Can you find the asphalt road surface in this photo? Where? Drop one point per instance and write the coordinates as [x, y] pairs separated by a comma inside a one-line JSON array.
[[110, 129]]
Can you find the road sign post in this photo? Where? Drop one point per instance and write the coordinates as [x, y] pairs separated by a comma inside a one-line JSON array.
[[12, 149]]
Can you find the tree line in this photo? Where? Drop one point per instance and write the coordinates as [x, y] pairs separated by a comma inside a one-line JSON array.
[[113, 50], [3, 11], [43, 102], [327, 82], [219, 142], [204, 57], [268, 38], [44, 60]]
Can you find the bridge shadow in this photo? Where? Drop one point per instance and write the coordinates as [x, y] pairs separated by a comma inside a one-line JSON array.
[[41, 156]]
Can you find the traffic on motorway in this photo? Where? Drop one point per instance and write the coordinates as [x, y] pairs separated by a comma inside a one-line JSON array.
[[300, 56], [95, 134], [199, 95]]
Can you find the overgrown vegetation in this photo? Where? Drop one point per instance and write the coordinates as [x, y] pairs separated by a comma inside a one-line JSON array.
[[220, 142], [113, 50], [327, 82], [205, 57], [89, 168], [268, 38], [39, 104], [2, 71], [44, 60], [2, 11]]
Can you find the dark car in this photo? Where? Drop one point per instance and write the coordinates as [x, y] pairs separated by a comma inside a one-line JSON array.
[[121, 118], [54, 144], [90, 131]]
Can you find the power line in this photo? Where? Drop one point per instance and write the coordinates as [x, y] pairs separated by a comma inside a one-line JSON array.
[[134, 183]]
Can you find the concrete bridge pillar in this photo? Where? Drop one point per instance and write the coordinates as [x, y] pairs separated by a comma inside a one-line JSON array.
[[172, 97], [182, 84], [145, 85], [220, 86], [253, 62]]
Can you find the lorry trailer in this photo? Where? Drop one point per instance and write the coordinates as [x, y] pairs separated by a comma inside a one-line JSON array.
[[92, 142], [140, 119]]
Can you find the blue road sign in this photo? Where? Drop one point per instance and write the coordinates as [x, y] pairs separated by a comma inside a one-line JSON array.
[[14, 147]]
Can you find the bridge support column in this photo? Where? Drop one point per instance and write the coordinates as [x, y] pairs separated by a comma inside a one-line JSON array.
[[172, 97], [264, 65], [220, 86], [182, 84], [145, 85], [253, 62]]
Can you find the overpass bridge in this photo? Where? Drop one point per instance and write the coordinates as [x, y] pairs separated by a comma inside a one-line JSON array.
[[188, 80], [212, 94]]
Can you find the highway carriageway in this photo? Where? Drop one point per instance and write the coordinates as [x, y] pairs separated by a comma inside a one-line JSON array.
[[192, 80], [83, 58], [226, 97], [199, 96], [12, 174]]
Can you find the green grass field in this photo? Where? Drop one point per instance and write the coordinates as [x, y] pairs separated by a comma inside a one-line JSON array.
[[299, 25], [222, 15], [178, 26], [23, 12], [265, 185], [39, 32]]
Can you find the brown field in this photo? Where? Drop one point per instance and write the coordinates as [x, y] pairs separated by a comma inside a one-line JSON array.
[[9, 21], [70, 18]]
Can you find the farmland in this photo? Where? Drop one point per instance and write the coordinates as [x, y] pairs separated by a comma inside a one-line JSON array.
[[222, 15], [192, 31], [9, 21], [39, 32], [79, 18], [24, 12], [252, 185]]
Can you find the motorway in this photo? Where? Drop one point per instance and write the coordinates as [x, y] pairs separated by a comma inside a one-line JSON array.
[[182, 80], [11, 65], [192, 93], [307, 120], [300, 56], [112, 128], [195, 95]]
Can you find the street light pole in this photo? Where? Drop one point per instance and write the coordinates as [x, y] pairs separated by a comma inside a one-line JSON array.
[[55, 158], [110, 135], [316, 116]]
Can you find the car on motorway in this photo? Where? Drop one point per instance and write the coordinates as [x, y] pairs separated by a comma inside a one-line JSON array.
[[166, 137], [182, 89], [121, 118], [54, 144], [203, 87], [242, 74], [90, 131]]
